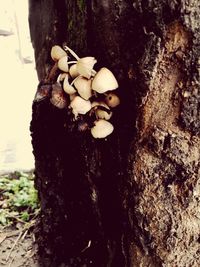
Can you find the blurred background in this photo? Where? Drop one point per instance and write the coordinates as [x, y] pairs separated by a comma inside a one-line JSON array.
[[18, 86]]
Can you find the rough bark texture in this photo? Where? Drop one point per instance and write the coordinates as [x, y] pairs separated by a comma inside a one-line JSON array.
[[135, 196]]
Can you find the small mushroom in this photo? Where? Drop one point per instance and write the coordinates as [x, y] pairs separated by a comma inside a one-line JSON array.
[[73, 71], [57, 52], [43, 91], [85, 66], [68, 88], [62, 64], [101, 129], [83, 87], [57, 97], [112, 100], [80, 106], [61, 77], [103, 111], [104, 81]]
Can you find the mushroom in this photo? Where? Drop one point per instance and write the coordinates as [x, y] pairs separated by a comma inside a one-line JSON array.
[[57, 52], [73, 71], [112, 100], [80, 106], [43, 91], [62, 64], [101, 129], [61, 77], [68, 88], [83, 87], [57, 98], [85, 66], [103, 112], [72, 96], [104, 81]]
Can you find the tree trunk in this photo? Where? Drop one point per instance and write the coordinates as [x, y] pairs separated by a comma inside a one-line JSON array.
[[132, 199]]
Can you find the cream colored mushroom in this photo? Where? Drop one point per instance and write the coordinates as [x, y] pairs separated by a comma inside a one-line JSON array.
[[73, 71], [112, 100], [63, 64], [80, 106], [85, 66], [61, 77], [101, 129], [68, 88], [103, 114], [57, 52], [83, 87], [104, 81]]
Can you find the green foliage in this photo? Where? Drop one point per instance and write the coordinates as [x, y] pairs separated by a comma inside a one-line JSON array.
[[18, 198]]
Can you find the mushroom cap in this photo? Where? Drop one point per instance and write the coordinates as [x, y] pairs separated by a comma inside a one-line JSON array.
[[57, 52], [80, 106], [61, 77], [112, 100], [85, 66], [69, 89], [83, 87], [57, 98], [102, 129], [103, 114], [73, 71], [62, 64], [104, 81]]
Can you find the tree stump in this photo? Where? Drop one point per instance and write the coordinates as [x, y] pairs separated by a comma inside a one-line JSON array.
[[132, 199]]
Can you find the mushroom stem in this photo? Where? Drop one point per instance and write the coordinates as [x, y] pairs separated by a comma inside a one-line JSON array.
[[58, 79], [66, 48], [72, 62]]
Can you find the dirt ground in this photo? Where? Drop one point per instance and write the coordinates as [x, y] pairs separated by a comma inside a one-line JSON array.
[[17, 248]]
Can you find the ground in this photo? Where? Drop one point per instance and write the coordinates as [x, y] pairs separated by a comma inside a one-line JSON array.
[[19, 209], [17, 248]]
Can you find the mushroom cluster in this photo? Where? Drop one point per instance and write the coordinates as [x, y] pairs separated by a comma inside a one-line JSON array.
[[90, 93]]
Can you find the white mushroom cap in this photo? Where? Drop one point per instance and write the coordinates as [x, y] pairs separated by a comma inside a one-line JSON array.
[[104, 81], [57, 52], [102, 129], [83, 87], [73, 71], [62, 64], [94, 104], [85, 66], [112, 100], [103, 114], [80, 106], [69, 89]]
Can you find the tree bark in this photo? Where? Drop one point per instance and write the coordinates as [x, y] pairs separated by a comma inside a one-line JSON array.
[[132, 199]]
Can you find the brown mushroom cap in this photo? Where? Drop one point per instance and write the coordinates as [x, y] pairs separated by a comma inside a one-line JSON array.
[[112, 100]]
